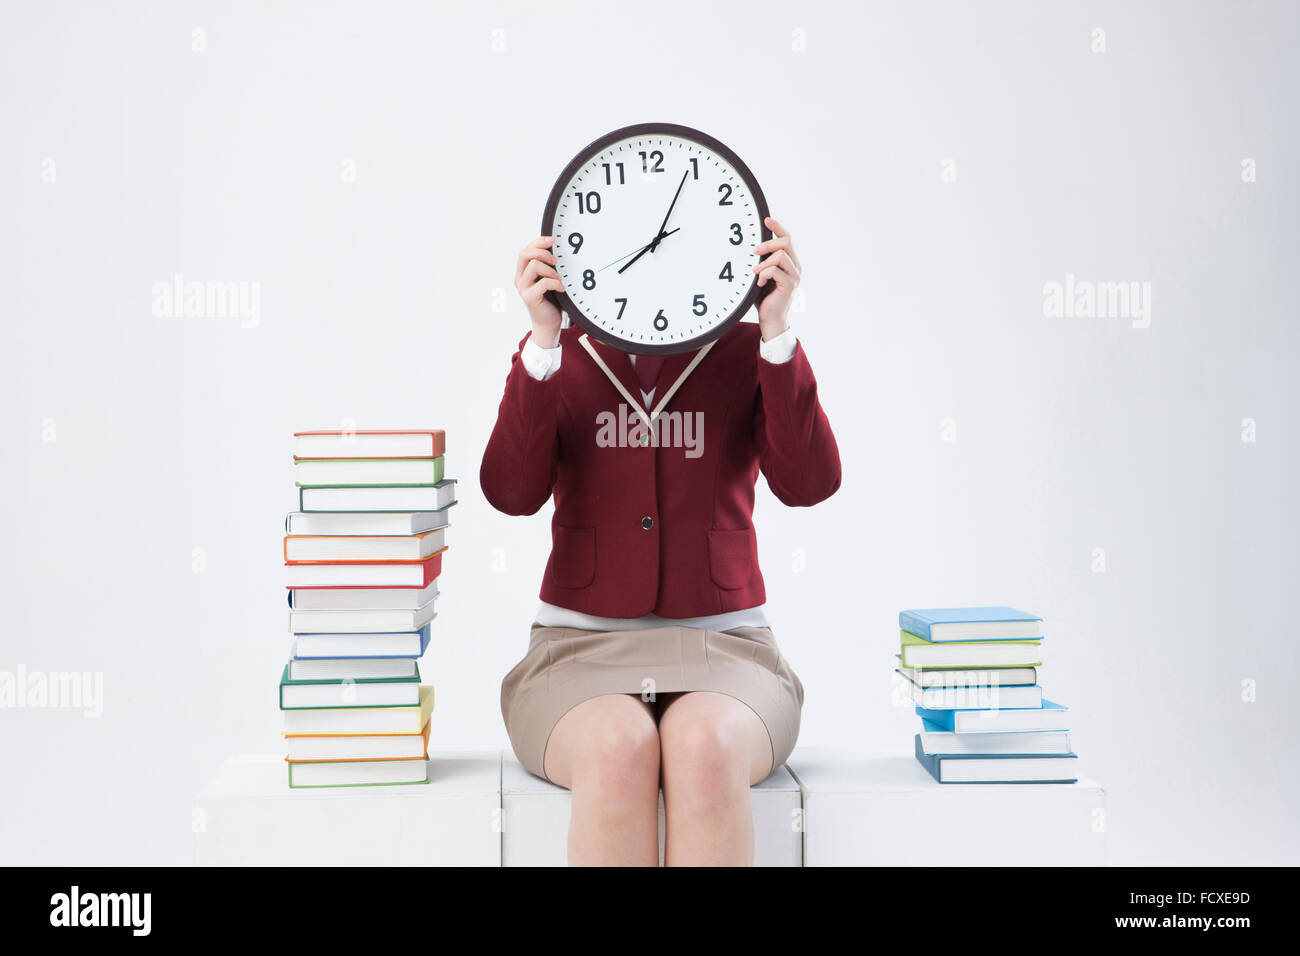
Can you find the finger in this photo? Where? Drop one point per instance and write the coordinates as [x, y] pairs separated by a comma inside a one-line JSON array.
[[781, 259], [529, 253], [781, 232], [535, 270], [773, 274], [533, 294], [771, 245]]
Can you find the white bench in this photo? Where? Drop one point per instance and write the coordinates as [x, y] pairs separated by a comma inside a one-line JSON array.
[[248, 816], [887, 811], [484, 809]]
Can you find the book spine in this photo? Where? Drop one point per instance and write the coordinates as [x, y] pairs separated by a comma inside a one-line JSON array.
[[913, 625], [929, 761], [943, 718]]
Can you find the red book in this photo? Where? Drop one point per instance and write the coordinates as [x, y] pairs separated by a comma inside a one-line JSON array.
[[372, 574]]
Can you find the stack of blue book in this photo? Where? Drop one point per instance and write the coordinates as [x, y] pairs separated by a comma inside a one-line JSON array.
[[972, 674]]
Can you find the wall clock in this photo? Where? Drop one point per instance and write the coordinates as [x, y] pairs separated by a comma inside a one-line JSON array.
[[655, 227]]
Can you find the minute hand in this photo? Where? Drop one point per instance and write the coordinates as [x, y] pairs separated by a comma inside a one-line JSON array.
[[664, 225]]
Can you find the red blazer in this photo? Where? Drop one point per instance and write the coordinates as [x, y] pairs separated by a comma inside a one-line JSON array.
[[640, 530]]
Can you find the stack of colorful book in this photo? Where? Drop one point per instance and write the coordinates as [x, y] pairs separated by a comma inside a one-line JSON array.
[[972, 674], [363, 555]]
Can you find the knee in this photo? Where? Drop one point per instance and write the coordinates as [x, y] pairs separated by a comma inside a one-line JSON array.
[[707, 760], [620, 761]]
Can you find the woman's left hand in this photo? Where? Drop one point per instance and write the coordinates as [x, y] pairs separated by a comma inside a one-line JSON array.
[[781, 268]]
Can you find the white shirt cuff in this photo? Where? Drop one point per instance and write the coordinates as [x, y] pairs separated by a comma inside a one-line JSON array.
[[779, 350], [540, 363]]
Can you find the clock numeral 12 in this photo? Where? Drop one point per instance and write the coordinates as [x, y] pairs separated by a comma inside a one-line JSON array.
[[658, 158]]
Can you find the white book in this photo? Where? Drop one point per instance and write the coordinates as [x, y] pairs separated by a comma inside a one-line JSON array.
[[973, 696], [348, 695], [353, 547], [967, 676], [361, 720], [372, 747], [417, 498], [366, 522], [410, 574], [362, 599], [1048, 717], [359, 621], [367, 471], [1030, 742], [358, 668], [1008, 769], [368, 443], [358, 773], [345, 645]]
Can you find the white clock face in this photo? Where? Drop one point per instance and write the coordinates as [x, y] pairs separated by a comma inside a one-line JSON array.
[[655, 237]]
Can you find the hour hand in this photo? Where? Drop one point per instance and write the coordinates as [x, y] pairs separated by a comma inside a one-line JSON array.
[[648, 247]]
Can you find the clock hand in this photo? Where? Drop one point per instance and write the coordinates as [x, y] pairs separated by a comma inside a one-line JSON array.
[[638, 253], [655, 244]]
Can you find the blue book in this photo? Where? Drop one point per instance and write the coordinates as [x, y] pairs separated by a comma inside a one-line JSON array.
[[412, 644], [941, 624], [1003, 720], [999, 768]]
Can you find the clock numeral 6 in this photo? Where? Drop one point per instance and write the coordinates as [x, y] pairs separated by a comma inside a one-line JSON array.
[[661, 321], [698, 306], [588, 202], [737, 237], [588, 279]]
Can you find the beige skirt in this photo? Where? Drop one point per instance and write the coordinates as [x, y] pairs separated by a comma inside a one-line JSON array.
[[566, 665]]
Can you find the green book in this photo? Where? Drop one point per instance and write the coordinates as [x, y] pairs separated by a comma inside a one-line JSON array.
[[920, 653], [367, 472], [357, 773], [322, 694]]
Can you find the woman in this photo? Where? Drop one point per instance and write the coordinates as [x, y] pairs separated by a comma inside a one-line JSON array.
[[651, 661]]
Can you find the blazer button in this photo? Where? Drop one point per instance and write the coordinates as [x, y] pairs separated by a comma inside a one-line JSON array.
[[647, 522]]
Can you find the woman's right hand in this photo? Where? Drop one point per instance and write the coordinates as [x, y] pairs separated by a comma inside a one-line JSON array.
[[535, 275]]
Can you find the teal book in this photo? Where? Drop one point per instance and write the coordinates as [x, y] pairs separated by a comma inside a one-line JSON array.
[[327, 693], [998, 768]]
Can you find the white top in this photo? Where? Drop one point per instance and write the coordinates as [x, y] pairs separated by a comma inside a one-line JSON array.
[[541, 364]]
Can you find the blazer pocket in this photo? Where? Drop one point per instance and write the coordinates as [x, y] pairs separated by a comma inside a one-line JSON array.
[[732, 558], [573, 556]]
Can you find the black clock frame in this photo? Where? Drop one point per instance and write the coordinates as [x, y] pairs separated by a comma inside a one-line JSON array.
[[570, 308]]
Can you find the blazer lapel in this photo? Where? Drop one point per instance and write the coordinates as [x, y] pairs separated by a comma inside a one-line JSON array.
[[621, 366]]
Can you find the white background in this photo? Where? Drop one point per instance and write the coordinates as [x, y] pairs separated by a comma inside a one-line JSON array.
[[924, 303]]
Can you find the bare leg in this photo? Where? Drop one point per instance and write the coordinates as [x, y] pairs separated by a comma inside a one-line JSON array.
[[713, 749], [606, 751]]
